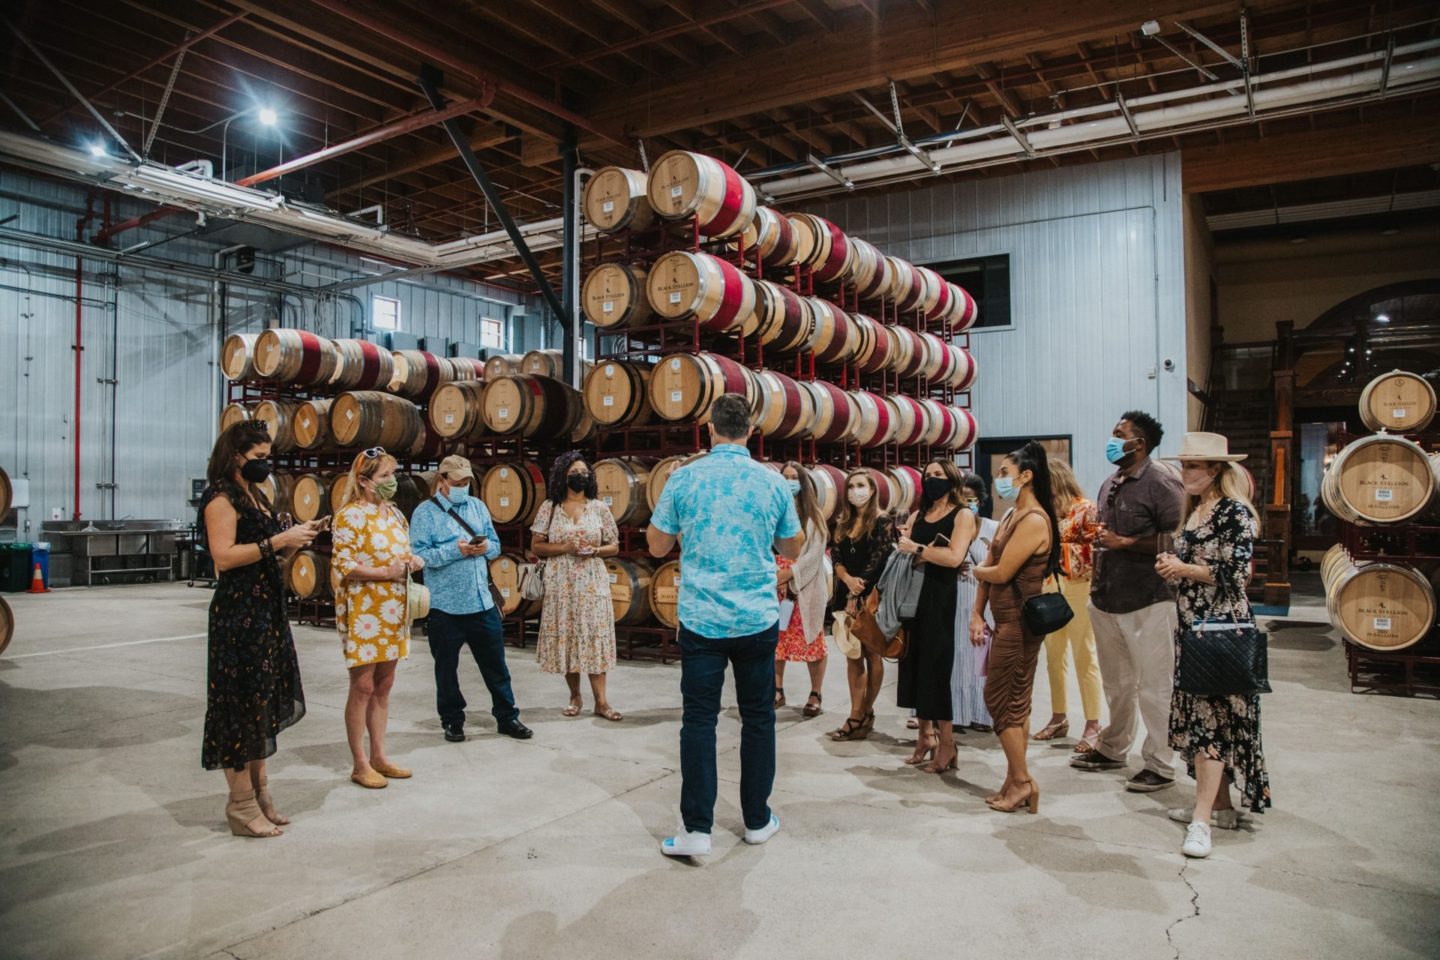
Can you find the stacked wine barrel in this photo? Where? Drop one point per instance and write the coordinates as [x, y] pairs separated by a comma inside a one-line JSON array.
[[1381, 606]]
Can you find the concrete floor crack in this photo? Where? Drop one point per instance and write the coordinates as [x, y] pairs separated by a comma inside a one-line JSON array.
[[1194, 909]]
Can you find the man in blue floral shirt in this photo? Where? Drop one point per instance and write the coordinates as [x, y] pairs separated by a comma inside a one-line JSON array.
[[730, 515]]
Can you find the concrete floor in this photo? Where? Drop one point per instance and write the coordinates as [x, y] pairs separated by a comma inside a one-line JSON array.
[[112, 841]]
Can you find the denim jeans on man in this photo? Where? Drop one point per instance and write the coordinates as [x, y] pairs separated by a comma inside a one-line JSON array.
[[448, 633], [702, 676]]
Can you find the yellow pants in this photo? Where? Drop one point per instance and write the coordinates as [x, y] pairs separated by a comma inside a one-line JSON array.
[[1078, 636]]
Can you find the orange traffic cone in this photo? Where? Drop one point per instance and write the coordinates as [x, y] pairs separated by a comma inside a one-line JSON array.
[[37, 582]]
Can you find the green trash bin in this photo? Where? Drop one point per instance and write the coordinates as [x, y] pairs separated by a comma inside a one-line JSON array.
[[15, 569]]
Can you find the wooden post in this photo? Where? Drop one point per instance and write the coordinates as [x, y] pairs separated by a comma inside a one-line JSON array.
[[1282, 447]]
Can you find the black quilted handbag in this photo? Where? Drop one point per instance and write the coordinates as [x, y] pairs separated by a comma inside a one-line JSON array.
[[1223, 660]]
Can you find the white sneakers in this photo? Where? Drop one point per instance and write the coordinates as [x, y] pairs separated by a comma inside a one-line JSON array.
[[764, 833], [1197, 840], [1224, 819], [687, 844]]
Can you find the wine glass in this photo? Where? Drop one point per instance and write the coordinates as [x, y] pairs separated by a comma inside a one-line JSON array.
[[1165, 543]]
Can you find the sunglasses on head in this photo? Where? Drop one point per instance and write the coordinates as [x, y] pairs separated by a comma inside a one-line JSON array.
[[374, 452]]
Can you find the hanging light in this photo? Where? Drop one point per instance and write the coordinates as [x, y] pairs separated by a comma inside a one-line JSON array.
[[268, 116], [96, 150]]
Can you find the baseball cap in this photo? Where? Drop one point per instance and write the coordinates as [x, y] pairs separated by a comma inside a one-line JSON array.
[[456, 468]]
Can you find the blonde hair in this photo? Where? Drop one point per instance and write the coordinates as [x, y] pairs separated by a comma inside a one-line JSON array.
[[1064, 486], [1232, 484], [366, 467], [846, 519]]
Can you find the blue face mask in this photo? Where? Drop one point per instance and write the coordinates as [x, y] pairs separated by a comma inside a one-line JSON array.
[[975, 509], [1115, 450], [457, 494], [1004, 489], [794, 487]]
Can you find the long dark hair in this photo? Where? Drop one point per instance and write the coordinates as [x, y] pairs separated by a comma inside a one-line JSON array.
[[1033, 457], [234, 441], [560, 469], [957, 484], [807, 502]]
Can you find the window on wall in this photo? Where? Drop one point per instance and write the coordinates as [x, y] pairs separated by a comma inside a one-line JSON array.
[[987, 279], [385, 313], [492, 333]]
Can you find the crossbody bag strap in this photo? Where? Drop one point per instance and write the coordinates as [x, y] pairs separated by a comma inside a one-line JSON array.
[[455, 515]]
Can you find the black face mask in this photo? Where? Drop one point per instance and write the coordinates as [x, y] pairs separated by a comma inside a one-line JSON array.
[[577, 482], [934, 488], [256, 471]]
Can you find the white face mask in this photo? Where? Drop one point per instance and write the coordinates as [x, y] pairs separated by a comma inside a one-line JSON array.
[[860, 496], [1196, 481]]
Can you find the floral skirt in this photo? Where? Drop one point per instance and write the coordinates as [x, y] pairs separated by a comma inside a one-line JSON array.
[[1225, 729]]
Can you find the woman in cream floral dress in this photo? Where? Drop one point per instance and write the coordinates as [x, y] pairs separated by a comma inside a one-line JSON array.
[[369, 572], [574, 533]]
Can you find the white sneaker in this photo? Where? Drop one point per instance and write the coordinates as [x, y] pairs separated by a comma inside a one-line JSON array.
[[765, 832], [1197, 840], [1224, 819], [686, 844]]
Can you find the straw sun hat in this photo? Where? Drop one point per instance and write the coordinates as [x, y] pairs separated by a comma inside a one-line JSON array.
[[1209, 447]]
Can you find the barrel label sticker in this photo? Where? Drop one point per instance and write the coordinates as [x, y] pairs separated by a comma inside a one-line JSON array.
[[449, 419], [675, 297], [608, 206], [608, 306], [1398, 413], [620, 593], [504, 473], [608, 402], [609, 502], [505, 592], [614, 578], [349, 414], [1382, 624], [1384, 495], [610, 370], [504, 502], [677, 579], [675, 396], [503, 413], [677, 191], [307, 499], [675, 364]]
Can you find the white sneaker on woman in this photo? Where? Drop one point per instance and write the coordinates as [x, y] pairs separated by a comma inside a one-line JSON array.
[[1224, 819], [1197, 840]]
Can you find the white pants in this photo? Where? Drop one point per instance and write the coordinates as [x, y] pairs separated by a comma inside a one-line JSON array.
[[1137, 668]]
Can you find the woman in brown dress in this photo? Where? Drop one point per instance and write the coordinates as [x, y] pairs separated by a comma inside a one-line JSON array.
[[1025, 547]]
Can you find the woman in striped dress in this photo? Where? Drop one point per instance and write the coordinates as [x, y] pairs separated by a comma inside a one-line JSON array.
[[967, 677]]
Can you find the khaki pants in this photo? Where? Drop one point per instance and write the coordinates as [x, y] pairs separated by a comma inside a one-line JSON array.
[[1077, 636], [1137, 669]]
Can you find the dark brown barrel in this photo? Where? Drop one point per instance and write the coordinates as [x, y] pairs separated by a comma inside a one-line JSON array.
[[540, 407], [457, 411], [665, 593], [282, 491], [312, 424], [369, 418], [684, 385], [623, 484], [310, 575], [513, 492], [279, 417], [237, 357], [1398, 401], [614, 296], [295, 356], [684, 185], [362, 365], [683, 285], [615, 199], [630, 589], [418, 373], [618, 392]]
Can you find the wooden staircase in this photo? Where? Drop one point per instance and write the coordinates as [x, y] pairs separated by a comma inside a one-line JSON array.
[[1244, 417]]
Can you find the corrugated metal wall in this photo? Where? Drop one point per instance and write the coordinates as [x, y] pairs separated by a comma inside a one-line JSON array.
[[150, 333], [1097, 282]]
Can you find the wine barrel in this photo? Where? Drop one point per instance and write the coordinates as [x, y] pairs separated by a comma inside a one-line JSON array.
[[418, 373], [1381, 606], [513, 492], [465, 368], [885, 344], [911, 352], [234, 413], [829, 488], [786, 410], [836, 414], [295, 356], [684, 184], [614, 296], [865, 267], [878, 284], [684, 385], [908, 482], [770, 237], [1398, 401], [959, 368], [340, 492], [457, 411], [812, 240], [906, 285], [237, 356], [839, 260], [503, 365], [7, 494], [540, 407], [630, 589], [665, 594], [413, 489], [544, 363], [312, 424], [362, 365], [876, 426], [617, 392], [910, 420], [310, 575], [369, 418], [7, 625], [956, 311], [279, 418], [623, 484], [935, 358], [836, 339], [714, 292], [968, 313], [506, 571], [959, 430], [887, 494], [280, 489], [785, 320], [939, 423], [660, 475], [615, 199], [933, 292], [867, 340], [1380, 479], [311, 497]]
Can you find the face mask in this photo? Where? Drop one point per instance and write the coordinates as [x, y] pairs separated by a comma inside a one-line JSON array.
[[577, 482], [860, 496], [1115, 449], [934, 488], [1005, 488], [794, 487], [255, 471], [974, 507], [457, 494], [385, 489], [1196, 482]]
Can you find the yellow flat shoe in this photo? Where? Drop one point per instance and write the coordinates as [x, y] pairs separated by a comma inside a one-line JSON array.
[[370, 780], [391, 773]]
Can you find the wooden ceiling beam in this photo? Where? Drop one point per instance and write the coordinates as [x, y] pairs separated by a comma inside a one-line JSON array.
[[485, 136], [638, 19]]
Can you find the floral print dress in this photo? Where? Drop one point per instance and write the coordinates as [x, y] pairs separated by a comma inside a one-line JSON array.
[[1220, 728], [577, 621], [371, 615], [253, 689]]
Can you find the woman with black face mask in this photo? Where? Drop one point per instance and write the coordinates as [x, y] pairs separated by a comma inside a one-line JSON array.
[[573, 533], [938, 536], [254, 687]]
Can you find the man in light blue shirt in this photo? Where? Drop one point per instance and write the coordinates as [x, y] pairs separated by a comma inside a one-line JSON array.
[[453, 533], [730, 515]]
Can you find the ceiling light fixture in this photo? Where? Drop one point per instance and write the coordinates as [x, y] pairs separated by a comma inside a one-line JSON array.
[[1382, 318], [96, 150], [268, 116]]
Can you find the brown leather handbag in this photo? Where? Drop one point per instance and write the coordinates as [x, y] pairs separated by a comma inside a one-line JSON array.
[[867, 631]]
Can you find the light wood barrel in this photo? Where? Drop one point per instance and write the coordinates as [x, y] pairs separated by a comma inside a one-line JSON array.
[[786, 410], [540, 407], [310, 575], [683, 386], [910, 420], [812, 240], [618, 392], [1398, 401], [883, 345], [911, 354], [836, 413], [615, 199], [933, 292], [513, 492], [466, 368], [295, 356], [369, 418], [907, 287], [544, 363], [867, 339], [935, 357], [237, 356], [836, 339], [829, 488], [785, 320], [623, 484], [311, 497], [714, 292], [660, 475], [956, 311], [281, 491], [234, 413], [630, 589], [457, 411], [1380, 479], [418, 373], [872, 280], [684, 185], [312, 424], [907, 483], [505, 572], [1382, 606], [614, 296], [771, 237], [339, 492], [503, 365], [838, 262], [665, 594], [968, 312], [7, 625], [887, 495], [7, 493], [362, 366], [963, 430], [279, 418], [958, 369], [939, 422], [877, 424]]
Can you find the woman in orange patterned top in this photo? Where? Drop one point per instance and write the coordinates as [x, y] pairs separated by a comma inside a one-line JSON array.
[[1077, 531]]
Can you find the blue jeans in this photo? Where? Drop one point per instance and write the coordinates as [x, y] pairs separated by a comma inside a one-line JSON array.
[[702, 676], [481, 632]]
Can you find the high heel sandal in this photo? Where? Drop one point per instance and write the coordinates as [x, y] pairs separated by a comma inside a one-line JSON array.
[[921, 755], [935, 767], [851, 729], [243, 815], [815, 709], [267, 805], [1032, 800], [869, 723], [1052, 731]]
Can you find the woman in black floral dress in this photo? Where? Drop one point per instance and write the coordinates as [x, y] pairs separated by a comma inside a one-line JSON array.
[[1219, 737], [254, 678], [863, 539]]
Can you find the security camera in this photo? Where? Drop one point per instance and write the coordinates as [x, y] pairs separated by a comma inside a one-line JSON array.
[[1150, 27], [1169, 365]]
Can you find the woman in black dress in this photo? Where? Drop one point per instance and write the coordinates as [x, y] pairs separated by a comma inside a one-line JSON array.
[[938, 535], [254, 678], [863, 539]]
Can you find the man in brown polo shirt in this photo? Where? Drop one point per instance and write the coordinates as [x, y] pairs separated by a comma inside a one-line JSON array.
[[1132, 609]]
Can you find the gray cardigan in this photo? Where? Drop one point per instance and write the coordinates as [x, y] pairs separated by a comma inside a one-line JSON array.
[[899, 587]]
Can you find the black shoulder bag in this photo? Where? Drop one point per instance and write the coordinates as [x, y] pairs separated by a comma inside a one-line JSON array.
[[1223, 658], [1046, 613]]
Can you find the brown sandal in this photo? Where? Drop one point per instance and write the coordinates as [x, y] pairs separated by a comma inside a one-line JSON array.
[[813, 710], [852, 729], [1052, 731]]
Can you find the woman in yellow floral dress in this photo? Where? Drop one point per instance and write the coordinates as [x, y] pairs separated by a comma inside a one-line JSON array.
[[369, 572]]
